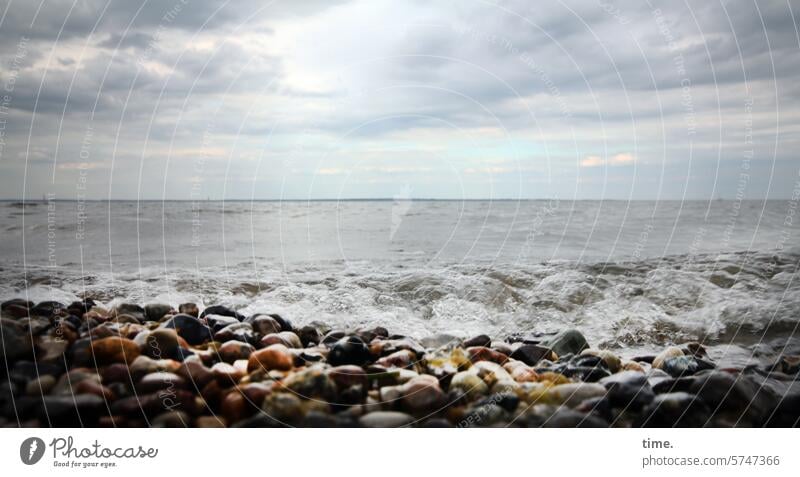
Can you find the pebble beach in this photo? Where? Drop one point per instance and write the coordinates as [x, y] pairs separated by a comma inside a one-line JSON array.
[[130, 365]]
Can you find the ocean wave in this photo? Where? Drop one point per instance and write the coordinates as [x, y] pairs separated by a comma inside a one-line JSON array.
[[715, 298]]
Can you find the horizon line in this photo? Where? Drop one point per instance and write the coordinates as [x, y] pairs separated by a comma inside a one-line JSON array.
[[392, 199]]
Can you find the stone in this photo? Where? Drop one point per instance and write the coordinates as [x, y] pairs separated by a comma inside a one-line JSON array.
[[486, 414], [349, 350], [19, 302], [218, 322], [171, 419], [156, 311], [678, 409], [286, 325], [566, 342], [114, 350], [422, 395], [231, 351], [524, 374], [399, 359], [444, 364], [678, 366], [284, 408], [572, 394], [490, 372], [738, 398], [130, 309], [381, 419], [309, 336], [264, 325], [609, 359], [275, 356], [15, 342], [80, 410], [788, 364], [564, 417], [669, 352], [51, 348], [159, 381], [189, 309], [531, 354], [228, 374], [196, 374], [286, 338], [47, 308], [236, 332], [311, 383], [40, 386], [628, 390], [221, 311], [189, 328], [209, 422], [482, 353], [470, 384], [161, 343], [480, 340]]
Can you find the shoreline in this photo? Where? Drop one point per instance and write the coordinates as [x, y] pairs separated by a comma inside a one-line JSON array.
[[80, 364]]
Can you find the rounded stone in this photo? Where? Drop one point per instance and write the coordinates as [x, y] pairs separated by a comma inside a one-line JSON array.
[[349, 350], [275, 356], [231, 351], [567, 342], [669, 352], [161, 343], [422, 394], [380, 419], [114, 350], [189, 328], [189, 309], [470, 384]]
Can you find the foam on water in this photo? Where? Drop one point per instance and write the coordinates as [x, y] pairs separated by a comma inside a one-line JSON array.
[[646, 275]]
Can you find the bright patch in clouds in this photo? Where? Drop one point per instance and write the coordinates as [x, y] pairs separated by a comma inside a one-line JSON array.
[[615, 160]]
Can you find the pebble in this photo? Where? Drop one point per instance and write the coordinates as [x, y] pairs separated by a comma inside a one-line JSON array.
[[236, 332], [312, 383], [470, 384], [161, 343], [422, 394], [567, 342], [275, 356], [480, 340], [670, 352], [399, 359], [611, 361], [189, 309], [227, 374], [189, 328], [138, 366], [231, 351], [482, 353], [680, 365], [221, 311], [572, 394], [349, 350], [531, 354], [114, 350], [381, 419], [156, 311]]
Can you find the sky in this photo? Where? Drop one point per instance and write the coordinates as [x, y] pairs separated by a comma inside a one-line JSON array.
[[466, 99]]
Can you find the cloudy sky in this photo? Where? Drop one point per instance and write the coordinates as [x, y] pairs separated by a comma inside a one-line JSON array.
[[195, 99]]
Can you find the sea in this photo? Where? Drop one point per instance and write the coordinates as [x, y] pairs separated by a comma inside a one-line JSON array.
[[631, 276]]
